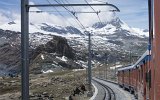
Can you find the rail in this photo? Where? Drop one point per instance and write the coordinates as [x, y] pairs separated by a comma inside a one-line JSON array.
[[111, 94]]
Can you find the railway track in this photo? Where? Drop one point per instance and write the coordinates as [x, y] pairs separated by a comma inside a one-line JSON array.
[[108, 90], [109, 93]]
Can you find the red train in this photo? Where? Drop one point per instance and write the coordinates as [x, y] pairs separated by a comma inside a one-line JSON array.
[[143, 78], [135, 77]]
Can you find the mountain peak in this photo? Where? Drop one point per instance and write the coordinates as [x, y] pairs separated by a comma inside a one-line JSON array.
[[114, 22]]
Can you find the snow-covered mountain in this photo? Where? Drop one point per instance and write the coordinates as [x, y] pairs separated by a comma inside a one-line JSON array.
[[108, 34], [106, 28], [110, 40], [116, 26]]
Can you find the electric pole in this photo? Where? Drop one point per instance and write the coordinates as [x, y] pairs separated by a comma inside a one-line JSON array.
[[25, 49], [90, 93]]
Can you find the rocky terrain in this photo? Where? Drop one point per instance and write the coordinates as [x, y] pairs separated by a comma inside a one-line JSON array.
[[50, 86], [52, 55]]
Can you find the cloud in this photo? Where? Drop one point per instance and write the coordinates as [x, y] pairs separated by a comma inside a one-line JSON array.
[[69, 20], [91, 18], [132, 12], [45, 17], [8, 16]]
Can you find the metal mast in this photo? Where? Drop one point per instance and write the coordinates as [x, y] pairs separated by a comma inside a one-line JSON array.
[[89, 66], [24, 49]]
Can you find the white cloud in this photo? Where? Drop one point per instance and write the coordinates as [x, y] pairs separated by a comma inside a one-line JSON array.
[[84, 18], [91, 18], [45, 18]]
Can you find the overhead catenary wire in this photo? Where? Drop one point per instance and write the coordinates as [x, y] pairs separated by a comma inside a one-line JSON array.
[[69, 3], [49, 11], [72, 14], [52, 11], [96, 13], [74, 11], [60, 13], [93, 10]]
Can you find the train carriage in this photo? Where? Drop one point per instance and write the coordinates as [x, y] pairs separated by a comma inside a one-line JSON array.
[[135, 76]]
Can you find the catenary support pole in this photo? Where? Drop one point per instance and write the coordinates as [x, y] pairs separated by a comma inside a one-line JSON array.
[[24, 49], [89, 66]]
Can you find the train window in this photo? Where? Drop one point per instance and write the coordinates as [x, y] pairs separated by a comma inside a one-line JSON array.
[[148, 78]]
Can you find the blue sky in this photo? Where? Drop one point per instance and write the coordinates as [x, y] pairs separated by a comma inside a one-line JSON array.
[[133, 12]]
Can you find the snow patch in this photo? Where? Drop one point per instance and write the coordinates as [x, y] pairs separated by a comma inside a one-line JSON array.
[[75, 70], [42, 56], [140, 32], [63, 58], [117, 66], [48, 71]]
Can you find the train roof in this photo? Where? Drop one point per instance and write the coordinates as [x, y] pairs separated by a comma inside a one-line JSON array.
[[142, 58], [125, 68], [139, 61]]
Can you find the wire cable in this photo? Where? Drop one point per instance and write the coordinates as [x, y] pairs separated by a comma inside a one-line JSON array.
[[73, 14], [69, 3], [50, 11], [60, 13], [96, 13]]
